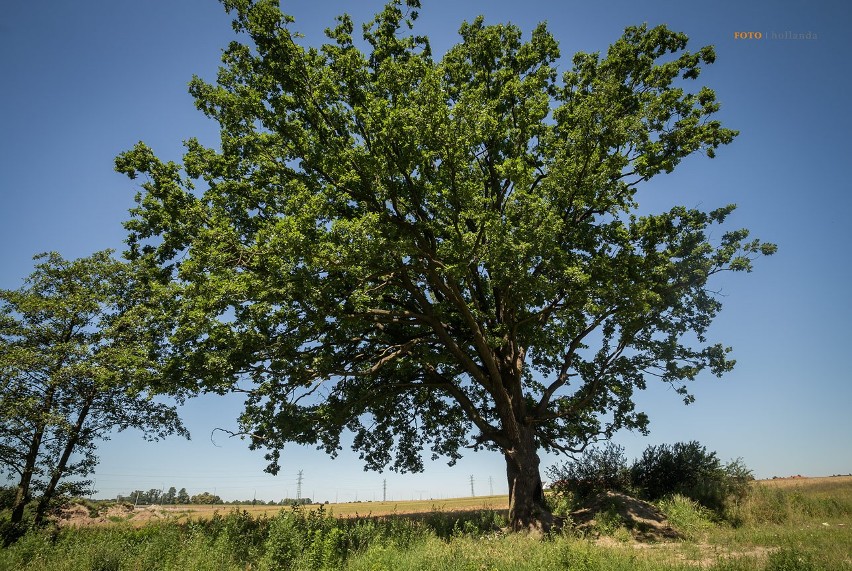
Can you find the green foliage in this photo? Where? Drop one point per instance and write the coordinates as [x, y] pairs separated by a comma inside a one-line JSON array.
[[425, 251], [738, 480], [688, 469], [236, 542], [736, 564], [674, 474], [10, 531], [765, 504], [78, 356], [596, 470], [239, 533], [679, 468], [304, 539], [608, 521], [509, 553], [790, 559], [205, 498], [294, 539], [468, 523], [7, 497], [686, 515]]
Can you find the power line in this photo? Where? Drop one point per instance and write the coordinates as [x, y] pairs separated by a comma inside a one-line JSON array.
[[299, 486], [472, 494]]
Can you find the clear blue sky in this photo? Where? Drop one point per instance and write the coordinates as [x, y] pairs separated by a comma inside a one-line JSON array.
[[83, 81]]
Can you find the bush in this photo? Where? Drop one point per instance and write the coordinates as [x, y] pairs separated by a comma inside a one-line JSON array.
[[677, 469], [594, 471], [685, 468], [690, 470], [7, 497]]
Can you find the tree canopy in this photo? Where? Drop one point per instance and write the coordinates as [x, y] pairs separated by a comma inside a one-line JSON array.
[[435, 252], [76, 359]]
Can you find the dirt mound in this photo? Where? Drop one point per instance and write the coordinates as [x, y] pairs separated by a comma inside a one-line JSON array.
[[80, 516], [644, 520]]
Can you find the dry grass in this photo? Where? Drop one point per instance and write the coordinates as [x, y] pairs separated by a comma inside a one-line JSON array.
[[363, 508], [811, 484], [141, 515]]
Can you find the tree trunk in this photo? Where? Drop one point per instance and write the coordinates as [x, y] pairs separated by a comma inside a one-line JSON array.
[[59, 469], [528, 510], [22, 495]]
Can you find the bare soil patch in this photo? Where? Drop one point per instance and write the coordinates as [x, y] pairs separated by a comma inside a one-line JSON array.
[[76, 515], [645, 522]]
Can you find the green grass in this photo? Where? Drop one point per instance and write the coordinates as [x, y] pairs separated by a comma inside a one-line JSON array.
[[688, 517], [776, 528]]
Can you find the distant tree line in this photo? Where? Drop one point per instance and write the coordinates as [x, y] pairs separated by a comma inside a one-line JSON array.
[[157, 496], [175, 496]]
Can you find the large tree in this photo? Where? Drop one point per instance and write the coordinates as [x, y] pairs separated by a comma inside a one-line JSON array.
[[437, 253], [76, 358]]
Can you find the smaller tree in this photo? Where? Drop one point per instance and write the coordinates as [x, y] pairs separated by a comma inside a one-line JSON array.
[[183, 497], [77, 359]]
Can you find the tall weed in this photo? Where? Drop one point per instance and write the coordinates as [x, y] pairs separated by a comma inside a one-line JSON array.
[[687, 516], [764, 504]]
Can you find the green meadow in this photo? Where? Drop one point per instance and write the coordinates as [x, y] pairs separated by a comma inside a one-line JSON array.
[[791, 525]]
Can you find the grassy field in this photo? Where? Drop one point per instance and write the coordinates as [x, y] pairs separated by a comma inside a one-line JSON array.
[[80, 516], [790, 525], [497, 503]]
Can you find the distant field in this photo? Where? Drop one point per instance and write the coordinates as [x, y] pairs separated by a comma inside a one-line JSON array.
[[360, 508], [810, 483], [817, 487], [78, 516]]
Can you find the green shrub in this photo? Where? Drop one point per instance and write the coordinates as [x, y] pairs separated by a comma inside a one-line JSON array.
[[677, 469], [686, 515], [474, 523], [239, 532], [685, 469], [594, 471], [608, 521], [688, 469], [7, 497], [12, 532]]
